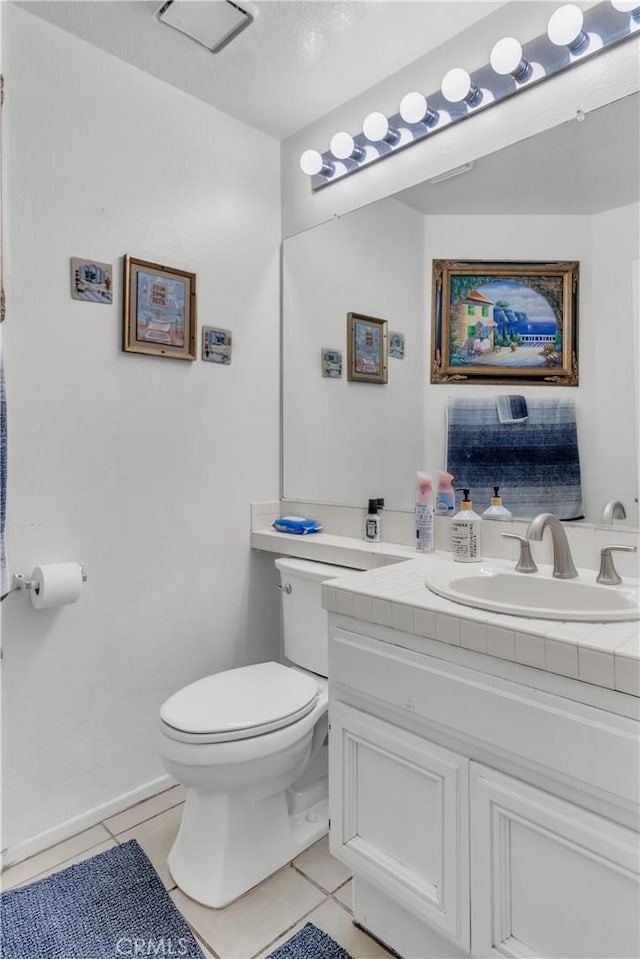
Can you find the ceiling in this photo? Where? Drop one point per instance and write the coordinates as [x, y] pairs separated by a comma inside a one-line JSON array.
[[577, 167], [299, 60]]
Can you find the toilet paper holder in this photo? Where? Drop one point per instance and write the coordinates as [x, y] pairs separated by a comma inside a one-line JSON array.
[[19, 581]]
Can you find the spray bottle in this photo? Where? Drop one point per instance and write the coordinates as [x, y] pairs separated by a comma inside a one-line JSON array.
[[425, 541], [445, 497]]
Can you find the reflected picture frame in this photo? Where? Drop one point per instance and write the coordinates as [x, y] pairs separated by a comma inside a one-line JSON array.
[[505, 322], [367, 353], [159, 310]]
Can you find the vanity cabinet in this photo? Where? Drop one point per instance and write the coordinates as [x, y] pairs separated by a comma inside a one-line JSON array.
[[479, 816]]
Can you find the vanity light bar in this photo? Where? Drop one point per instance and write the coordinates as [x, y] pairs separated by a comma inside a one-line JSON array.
[[572, 37]]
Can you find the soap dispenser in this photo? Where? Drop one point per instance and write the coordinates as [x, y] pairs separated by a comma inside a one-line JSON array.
[[496, 510], [372, 524], [466, 542]]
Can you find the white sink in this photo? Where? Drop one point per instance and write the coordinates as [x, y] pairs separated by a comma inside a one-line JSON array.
[[536, 595]]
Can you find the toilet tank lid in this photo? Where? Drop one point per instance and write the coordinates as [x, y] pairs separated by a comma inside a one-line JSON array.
[[237, 701], [306, 569]]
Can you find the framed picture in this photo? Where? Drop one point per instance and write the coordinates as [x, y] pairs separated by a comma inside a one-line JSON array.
[[159, 310], [505, 322], [91, 280], [396, 345], [366, 349], [216, 345], [332, 363]]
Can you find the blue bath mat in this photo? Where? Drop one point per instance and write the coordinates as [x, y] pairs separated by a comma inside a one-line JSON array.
[[310, 943], [102, 908]]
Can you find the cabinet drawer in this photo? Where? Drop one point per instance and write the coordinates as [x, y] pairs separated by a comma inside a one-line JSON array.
[[547, 877], [575, 741], [399, 817]]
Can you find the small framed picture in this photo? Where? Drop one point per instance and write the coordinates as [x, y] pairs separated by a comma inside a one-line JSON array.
[[159, 310], [91, 281], [396, 345], [366, 349], [216, 345], [332, 363]]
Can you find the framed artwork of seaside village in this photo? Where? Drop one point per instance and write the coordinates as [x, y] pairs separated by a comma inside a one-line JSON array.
[[505, 322]]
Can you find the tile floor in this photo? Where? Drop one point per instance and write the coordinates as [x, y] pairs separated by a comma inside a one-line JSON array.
[[315, 887]]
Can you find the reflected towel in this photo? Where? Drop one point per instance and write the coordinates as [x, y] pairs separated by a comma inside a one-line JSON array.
[[535, 462]]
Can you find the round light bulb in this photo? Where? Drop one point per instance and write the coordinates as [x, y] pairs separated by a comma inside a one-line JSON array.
[[342, 145], [375, 127], [413, 107], [311, 162], [622, 6], [564, 28], [457, 86], [506, 56]]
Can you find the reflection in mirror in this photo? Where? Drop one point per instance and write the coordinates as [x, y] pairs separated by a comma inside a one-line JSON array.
[[570, 193]]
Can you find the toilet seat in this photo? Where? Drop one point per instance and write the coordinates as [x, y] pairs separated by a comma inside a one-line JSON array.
[[239, 703]]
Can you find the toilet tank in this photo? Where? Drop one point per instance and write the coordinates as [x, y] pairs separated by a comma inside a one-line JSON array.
[[303, 618]]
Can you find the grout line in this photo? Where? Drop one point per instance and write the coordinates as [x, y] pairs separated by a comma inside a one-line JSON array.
[[142, 821], [313, 882], [292, 926]]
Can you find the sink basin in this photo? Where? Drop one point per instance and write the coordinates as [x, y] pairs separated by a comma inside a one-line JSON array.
[[536, 595]]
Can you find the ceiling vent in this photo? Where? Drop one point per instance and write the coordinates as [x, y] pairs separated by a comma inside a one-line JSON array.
[[213, 24]]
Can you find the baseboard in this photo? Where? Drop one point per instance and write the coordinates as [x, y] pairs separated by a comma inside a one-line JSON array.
[[71, 827]]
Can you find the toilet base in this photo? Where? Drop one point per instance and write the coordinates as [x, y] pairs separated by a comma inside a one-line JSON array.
[[241, 846]]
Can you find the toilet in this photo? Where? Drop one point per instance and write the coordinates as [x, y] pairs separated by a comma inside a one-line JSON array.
[[249, 745]]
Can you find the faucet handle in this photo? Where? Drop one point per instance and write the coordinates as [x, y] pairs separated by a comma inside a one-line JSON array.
[[525, 562], [608, 574]]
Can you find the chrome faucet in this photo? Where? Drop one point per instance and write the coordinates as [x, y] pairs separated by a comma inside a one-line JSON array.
[[613, 510], [563, 567]]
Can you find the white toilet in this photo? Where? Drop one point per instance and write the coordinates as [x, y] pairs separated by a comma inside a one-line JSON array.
[[249, 745]]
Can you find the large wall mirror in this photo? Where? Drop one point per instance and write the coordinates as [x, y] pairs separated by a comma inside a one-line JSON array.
[[571, 193]]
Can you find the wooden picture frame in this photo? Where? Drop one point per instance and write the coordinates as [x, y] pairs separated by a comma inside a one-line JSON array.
[[505, 322], [366, 349], [159, 310]]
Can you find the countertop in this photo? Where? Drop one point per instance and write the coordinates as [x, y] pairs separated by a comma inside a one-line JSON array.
[[604, 654]]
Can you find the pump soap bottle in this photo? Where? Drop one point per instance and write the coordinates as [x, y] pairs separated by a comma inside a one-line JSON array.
[[466, 540], [445, 497], [425, 542], [372, 524], [496, 510]]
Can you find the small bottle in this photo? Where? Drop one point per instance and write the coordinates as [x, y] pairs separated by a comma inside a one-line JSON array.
[[372, 524], [425, 542], [445, 497], [496, 510], [466, 543]]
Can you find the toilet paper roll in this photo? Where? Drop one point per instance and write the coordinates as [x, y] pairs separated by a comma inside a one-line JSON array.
[[57, 584]]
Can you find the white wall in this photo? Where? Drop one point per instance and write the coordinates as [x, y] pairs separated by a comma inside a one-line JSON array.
[[607, 77], [347, 442], [141, 468]]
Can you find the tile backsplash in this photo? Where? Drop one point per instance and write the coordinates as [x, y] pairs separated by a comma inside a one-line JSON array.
[[585, 540]]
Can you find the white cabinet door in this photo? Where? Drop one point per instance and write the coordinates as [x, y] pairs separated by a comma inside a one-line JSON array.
[[399, 817], [548, 878]]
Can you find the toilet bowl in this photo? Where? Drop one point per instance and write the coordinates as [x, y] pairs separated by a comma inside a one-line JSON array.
[[249, 745]]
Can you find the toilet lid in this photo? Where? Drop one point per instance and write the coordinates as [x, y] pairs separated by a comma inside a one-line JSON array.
[[243, 702]]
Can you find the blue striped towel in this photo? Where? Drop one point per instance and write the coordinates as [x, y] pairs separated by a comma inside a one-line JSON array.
[[534, 461]]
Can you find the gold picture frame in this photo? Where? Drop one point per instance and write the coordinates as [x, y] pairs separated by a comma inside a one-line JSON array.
[[366, 349], [505, 322], [159, 317]]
